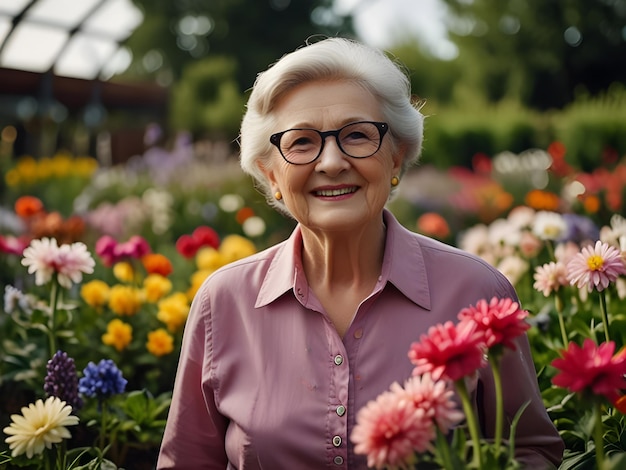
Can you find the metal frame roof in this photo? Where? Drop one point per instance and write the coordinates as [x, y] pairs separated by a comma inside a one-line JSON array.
[[72, 38]]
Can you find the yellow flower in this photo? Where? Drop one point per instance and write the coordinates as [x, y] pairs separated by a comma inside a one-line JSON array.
[[197, 279], [125, 300], [156, 286], [95, 293], [40, 425], [208, 258], [62, 165], [26, 169], [160, 342], [119, 334], [234, 247], [124, 272], [85, 166], [173, 311]]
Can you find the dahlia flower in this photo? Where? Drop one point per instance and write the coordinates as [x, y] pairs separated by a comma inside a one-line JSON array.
[[40, 425]]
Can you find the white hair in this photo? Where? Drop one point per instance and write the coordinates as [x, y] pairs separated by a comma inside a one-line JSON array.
[[328, 59]]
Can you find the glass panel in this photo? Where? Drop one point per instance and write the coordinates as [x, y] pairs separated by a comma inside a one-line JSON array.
[[13, 7], [116, 18], [84, 56], [65, 13], [33, 47]]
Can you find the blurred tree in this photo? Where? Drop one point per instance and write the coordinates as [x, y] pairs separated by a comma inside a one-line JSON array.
[[542, 52], [255, 33], [211, 51]]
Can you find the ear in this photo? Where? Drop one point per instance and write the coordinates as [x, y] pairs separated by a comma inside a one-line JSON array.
[[398, 157], [268, 172]]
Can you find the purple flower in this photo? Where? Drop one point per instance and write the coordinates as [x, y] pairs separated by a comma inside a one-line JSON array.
[[61, 380], [101, 380]]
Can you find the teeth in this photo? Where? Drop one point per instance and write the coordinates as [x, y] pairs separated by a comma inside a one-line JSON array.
[[335, 192]]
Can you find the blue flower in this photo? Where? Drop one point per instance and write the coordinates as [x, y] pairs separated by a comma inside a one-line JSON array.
[[61, 380], [101, 380]]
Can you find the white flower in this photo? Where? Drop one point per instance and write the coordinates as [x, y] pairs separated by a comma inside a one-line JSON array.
[[45, 258], [40, 425], [549, 225]]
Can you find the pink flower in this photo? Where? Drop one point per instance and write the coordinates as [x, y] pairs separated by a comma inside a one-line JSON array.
[[136, 247], [595, 266], [435, 397], [592, 368], [45, 258], [449, 352], [389, 430], [501, 321], [105, 249], [550, 277]]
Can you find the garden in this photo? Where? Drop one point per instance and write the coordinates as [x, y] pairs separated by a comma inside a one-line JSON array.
[[99, 265]]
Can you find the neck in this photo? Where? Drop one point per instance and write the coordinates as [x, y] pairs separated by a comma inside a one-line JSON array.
[[340, 259]]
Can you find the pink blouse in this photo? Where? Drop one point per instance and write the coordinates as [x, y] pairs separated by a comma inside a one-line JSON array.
[[266, 382]]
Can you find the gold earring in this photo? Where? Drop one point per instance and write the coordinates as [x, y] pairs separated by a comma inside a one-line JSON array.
[[278, 195], [395, 181]]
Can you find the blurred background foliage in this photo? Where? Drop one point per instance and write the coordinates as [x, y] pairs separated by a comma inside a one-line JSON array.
[[525, 73]]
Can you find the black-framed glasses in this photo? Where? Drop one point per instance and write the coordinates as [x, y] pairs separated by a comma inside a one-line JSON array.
[[360, 139]]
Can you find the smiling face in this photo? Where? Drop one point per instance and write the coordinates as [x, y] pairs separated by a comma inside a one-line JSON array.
[[335, 192]]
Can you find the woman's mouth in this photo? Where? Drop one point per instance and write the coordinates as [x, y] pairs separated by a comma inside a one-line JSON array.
[[335, 192]]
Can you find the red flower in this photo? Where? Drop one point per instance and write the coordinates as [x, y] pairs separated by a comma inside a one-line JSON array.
[[501, 320], [448, 351], [28, 206], [105, 249], [187, 246], [592, 368], [206, 236]]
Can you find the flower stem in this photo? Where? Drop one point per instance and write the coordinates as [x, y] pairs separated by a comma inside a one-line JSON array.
[[605, 316], [444, 451], [497, 380], [558, 302], [470, 416], [54, 299], [598, 436]]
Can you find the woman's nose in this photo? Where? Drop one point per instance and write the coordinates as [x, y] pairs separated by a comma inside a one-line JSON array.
[[332, 160]]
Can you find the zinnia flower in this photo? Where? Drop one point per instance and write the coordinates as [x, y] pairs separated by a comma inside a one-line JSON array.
[[592, 368], [435, 397], [550, 277], [61, 380], [389, 430], [160, 342], [501, 320], [119, 334], [595, 267], [125, 300], [95, 293], [40, 425], [155, 263], [448, 351], [156, 286], [102, 380]]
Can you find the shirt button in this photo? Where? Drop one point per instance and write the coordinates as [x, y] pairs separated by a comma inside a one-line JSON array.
[[337, 441], [338, 460], [338, 359], [341, 410], [358, 333]]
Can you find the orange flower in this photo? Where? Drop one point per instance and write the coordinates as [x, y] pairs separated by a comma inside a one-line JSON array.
[[160, 342], [156, 263], [542, 200], [28, 206], [243, 214], [591, 204], [433, 224]]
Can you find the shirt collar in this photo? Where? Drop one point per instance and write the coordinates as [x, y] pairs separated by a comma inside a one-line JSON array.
[[403, 265]]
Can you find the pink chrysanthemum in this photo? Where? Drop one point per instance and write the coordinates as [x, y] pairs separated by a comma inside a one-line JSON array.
[[389, 430], [595, 267], [592, 368], [435, 397], [550, 277], [45, 258], [448, 351], [501, 321]]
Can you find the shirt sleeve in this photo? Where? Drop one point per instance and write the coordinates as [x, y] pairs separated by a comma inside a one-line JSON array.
[[195, 430]]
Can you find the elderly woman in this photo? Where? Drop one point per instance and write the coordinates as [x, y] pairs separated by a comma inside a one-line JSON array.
[[283, 348]]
